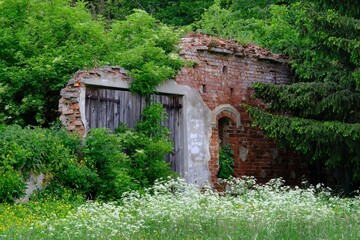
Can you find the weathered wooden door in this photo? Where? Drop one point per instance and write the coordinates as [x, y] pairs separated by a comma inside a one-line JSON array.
[[107, 108]]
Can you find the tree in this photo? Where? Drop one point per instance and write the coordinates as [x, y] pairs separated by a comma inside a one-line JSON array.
[[174, 12], [42, 43], [318, 114]]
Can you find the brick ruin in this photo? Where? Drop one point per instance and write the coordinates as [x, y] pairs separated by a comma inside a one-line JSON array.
[[221, 74]]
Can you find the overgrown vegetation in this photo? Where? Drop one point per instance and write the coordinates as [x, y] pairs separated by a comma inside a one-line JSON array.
[[173, 209], [323, 101], [179, 12], [103, 167], [42, 43], [30, 150], [226, 162]]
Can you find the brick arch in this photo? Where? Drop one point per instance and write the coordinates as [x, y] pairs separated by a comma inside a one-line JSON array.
[[225, 110], [228, 112]]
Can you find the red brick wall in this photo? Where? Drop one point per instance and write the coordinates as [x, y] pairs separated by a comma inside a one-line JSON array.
[[223, 72]]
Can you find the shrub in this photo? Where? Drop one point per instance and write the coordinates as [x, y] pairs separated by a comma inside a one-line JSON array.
[[43, 43], [12, 185], [148, 146], [103, 166], [112, 164], [32, 150], [226, 162], [104, 156], [146, 156]]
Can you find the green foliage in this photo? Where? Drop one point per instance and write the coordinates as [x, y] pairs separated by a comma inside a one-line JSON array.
[[30, 150], [313, 100], [148, 146], [226, 162], [267, 22], [43, 43], [97, 171], [144, 47], [223, 22], [104, 156], [330, 140], [151, 122], [322, 39], [146, 157], [103, 166], [110, 164], [180, 12], [12, 185]]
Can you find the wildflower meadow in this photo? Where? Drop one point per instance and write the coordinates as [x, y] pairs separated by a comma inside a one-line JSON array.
[[173, 209]]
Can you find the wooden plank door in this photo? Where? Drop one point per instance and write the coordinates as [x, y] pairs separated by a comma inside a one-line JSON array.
[[107, 108]]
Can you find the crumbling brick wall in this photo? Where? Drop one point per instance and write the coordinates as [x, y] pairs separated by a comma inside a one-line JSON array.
[[72, 96], [223, 72]]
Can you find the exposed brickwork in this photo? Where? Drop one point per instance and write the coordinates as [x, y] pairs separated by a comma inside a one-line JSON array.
[[224, 73], [70, 95], [69, 108]]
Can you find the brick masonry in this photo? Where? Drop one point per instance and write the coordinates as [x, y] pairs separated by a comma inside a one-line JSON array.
[[222, 72], [73, 95]]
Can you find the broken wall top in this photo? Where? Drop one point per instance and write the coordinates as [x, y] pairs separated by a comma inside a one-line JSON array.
[[195, 42]]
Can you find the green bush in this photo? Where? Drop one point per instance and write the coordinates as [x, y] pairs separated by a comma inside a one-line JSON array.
[[147, 162], [12, 185], [151, 122], [32, 150], [101, 166], [110, 164], [104, 156], [42, 43], [226, 162]]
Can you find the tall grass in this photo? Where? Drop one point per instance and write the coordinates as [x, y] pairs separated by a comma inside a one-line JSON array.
[[176, 210]]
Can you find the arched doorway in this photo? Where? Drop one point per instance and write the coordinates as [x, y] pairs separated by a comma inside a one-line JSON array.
[[226, 125], [227, 143]]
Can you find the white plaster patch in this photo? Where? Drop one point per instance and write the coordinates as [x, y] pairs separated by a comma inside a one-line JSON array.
[[243, 153], [193, 135], [195, 150], [33, 183], [199, 158]]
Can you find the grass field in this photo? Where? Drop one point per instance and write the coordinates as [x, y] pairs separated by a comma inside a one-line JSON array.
[[176, 210]]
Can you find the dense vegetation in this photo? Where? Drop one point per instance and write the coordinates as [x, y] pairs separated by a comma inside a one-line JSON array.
[[175, 210], [323, 101], [175, 12], [102, 166], [42, 43]]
